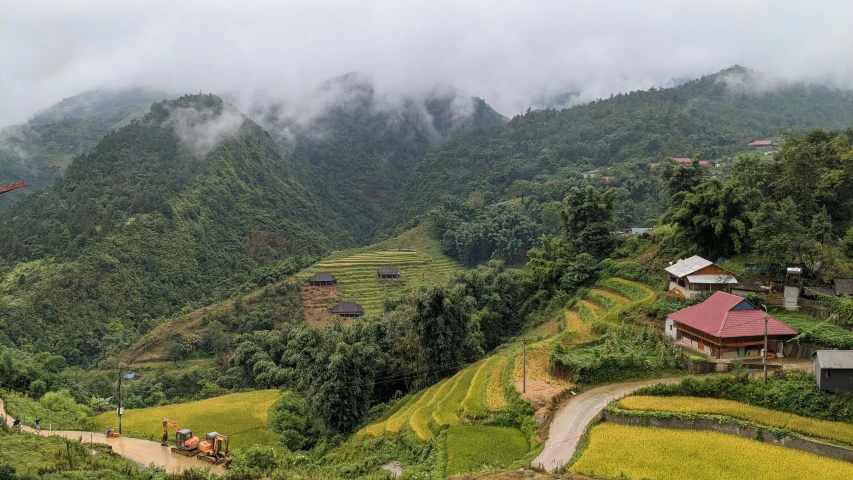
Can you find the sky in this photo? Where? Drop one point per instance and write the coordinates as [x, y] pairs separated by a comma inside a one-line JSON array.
[[511, 53]]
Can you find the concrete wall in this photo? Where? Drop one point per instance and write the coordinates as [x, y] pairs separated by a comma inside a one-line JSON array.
[[792, 295], [797, 443], [670, 329]]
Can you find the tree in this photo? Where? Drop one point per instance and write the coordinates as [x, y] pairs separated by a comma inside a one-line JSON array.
[[441, 322], [847, 243], [776, 232], [678, 178], [588, 224], [821, 224], [714, 216]]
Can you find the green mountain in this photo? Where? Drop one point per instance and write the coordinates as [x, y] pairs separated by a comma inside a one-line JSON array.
[[358, 147], [40, 150], [716, 115], [176, 209]]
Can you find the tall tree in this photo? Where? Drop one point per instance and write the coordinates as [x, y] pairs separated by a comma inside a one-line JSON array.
[[588, 221], [441, 321], [679, 178]]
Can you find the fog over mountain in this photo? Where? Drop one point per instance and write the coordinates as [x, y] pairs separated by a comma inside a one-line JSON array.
[[513, 54]]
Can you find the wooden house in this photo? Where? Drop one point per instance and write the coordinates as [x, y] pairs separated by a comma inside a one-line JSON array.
[[727, 326], [388, 271], [761, 144], [348, 310], [833, 370], [323, 280], [692, 276]]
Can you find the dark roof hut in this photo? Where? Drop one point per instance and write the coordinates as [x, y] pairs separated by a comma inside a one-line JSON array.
[[388, 271], [348, 309], [322, 280]]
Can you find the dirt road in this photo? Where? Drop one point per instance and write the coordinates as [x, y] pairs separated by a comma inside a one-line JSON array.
[[571, 421], [143, 452]]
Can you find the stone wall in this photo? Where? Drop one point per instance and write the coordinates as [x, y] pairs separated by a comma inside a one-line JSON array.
[[732, 428]]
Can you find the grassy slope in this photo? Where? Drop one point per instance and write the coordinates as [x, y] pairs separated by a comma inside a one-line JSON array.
[[474, 447], [241, 416], [663, 454]]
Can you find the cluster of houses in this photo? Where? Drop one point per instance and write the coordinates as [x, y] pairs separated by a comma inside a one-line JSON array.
[[727, 326], [350, 309]]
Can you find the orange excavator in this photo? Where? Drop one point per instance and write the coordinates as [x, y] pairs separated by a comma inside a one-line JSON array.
[[185, 443], [214, 449]]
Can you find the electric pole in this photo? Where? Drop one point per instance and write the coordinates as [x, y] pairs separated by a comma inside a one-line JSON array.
[[524, 366], [120, 409], [764, 357]]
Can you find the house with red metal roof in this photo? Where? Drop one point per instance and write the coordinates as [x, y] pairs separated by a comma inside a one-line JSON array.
[[760, 144], [727, 326]]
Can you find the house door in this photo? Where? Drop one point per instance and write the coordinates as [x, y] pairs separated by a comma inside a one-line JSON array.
[[701, 346], [741, 352]]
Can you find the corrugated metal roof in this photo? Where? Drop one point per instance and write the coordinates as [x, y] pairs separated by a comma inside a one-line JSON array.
[[323, 277], [761, 143], [843, 286], [348, 307], [712, 278], [835, 358], [687, 266], [716, 317]]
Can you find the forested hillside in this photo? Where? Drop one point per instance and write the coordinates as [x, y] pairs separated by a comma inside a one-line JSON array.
[[716, 115], [359, 147], [174, 210], [40, 150]]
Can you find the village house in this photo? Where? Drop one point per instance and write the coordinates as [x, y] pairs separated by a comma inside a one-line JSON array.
[[388, 271], [833, 370], [761, 144], [727, 326], [322, 280], [692, 276], [348, 310]]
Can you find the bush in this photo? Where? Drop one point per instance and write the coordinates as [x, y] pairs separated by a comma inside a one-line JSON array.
[[291, 417]]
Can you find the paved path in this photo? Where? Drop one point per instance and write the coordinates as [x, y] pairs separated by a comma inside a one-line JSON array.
[[571, 421], [143, 452]]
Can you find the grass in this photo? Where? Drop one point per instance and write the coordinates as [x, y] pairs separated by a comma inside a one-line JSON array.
[[664, 454], [816, 331], [240, 416], [472, 448], [837, 431], [415, 253], [495, 397], [28, 453], [634, 291], [55, 408], [474, 405]]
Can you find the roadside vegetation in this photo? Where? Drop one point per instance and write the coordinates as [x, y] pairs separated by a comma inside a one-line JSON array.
[[666, 454], [836, 431]]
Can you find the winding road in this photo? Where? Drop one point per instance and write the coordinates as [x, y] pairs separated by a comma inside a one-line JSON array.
[[143, 452], [571, 421]]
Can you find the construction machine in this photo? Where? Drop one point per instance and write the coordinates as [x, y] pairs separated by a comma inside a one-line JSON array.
[[111, 433], [214, 449], [185, 443]]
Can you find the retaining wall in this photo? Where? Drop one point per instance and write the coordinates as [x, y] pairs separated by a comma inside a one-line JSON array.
[[732, 428]]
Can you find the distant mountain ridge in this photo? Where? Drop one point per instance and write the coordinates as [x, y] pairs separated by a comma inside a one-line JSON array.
[[716, 115]]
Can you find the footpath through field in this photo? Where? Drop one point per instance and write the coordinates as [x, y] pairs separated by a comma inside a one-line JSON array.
[[571, 421], [143, 452]]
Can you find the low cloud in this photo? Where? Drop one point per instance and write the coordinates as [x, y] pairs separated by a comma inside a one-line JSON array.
[[201, 130], [510, 53]]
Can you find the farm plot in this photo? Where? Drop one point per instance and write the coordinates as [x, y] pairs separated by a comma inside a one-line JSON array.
[[837, 431], [471, 448], [471, 393], [663, 454], [241, 416]]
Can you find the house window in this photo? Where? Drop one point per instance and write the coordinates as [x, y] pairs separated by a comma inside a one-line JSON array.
[[826, 374]]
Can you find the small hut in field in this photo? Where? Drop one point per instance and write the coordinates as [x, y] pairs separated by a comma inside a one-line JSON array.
[[348, 310], [323, 280], [388, 271]]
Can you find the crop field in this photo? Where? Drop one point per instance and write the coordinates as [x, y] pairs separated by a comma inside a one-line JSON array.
[[538, 366], [818, 332], [663, 454], [241, 416], [471, 448], [415, 254], [472, 393], [837, 431]]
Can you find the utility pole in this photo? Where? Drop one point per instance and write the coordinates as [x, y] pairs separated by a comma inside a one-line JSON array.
[[120, 408], [764, 357], [524, 366]]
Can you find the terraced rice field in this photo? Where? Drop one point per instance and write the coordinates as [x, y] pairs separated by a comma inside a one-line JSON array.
[[474, 392], [415, 254], [610, 296], [620, 451]]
